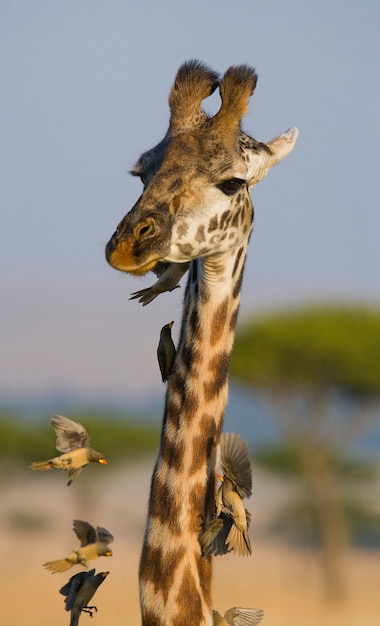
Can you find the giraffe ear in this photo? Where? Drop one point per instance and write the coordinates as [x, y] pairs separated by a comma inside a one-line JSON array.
[[283, 144], [236, 87], [261, 157], [193, 83]]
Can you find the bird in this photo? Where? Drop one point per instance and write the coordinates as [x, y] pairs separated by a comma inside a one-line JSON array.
[[79, 590], [93, 543], [238, 616], [166, 351], [73, 440], [169, 275], [228, 531]]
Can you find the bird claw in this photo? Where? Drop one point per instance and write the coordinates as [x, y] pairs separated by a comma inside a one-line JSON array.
[[81, 560], [90, 610]]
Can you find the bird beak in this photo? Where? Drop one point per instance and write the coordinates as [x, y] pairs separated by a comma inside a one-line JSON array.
[[109, 553], [103, 461], [221, 478], [171, 324]]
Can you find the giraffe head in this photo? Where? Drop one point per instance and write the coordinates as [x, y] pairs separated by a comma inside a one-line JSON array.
[[196, 200]]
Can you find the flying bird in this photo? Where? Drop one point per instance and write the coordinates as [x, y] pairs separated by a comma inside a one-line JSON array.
[[73, 440], [79, 591], [228, 531], [93, 543], [238, 617], [166, 351], [169, 275]]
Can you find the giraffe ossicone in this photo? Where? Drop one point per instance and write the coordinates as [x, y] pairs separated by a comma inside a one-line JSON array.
[[195, 210]]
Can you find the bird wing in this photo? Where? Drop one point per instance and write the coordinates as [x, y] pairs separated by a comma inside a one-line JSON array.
[[85, 532], [104, 535], [70, 434], [208, 537], [219, 545], [65, 590], [243, 617], [72, 587], [213, 540], [236, 464]]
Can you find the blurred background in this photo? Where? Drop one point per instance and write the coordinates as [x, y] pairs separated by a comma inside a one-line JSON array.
[[84, 92]]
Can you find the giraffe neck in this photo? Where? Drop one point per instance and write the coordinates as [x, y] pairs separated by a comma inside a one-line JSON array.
[[175, 579]]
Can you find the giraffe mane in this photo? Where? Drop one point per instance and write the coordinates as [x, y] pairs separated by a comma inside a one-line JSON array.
[[193, 83]]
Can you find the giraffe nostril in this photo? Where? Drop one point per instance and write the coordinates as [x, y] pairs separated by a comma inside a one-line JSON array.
[[145, 229]]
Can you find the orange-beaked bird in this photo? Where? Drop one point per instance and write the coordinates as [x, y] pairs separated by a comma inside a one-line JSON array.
[[228, 531], [93, 543], [73, 440]]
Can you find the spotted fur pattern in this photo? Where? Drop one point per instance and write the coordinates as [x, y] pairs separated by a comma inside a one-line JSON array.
[[195, 208], [183, 482]]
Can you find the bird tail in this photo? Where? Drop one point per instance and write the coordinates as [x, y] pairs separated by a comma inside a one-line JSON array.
[[60, 565], [40, 465], [74, 618], [239, 541]]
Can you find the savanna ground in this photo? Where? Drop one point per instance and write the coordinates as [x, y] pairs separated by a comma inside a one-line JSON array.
[[36, 513]]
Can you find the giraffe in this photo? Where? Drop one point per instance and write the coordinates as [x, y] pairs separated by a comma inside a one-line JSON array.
[[195, 209]]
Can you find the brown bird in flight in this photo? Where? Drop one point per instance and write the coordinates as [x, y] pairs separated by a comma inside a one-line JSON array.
[[238, 617], [166, 351], [228, 531], [73, 440], [93, 543], [79, 591], [169, 275]]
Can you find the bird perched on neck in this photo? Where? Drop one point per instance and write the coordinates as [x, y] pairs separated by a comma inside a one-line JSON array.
[[73, 440], [79, 590], [166, 351], [228, 531]]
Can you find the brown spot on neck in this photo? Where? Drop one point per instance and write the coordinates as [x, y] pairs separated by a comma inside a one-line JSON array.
[[237, 260], [160, 568], [218, 322], [164, 505], [218, 369], [151, 619], [237, 286], [188, 589]]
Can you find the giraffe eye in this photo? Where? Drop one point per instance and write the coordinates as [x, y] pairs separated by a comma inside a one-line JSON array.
[[231, 186]]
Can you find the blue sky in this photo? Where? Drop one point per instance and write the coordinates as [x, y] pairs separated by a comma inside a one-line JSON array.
[[84, 91]]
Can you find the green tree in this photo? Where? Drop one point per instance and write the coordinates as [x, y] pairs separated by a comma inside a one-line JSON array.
[[309, 362], [313, 349]]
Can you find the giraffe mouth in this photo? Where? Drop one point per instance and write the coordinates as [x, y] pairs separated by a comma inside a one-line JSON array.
[[129, 266], [143, 269]]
